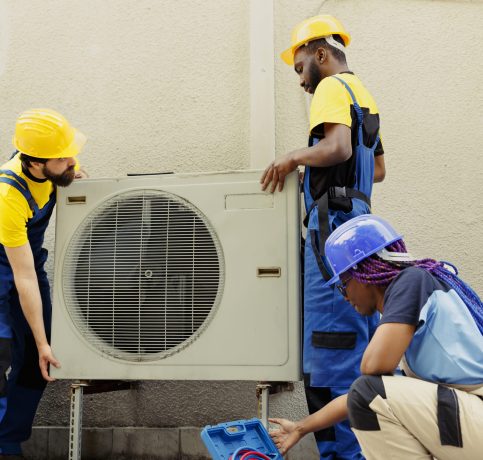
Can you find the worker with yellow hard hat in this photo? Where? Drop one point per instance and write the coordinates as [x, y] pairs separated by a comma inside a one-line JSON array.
[[343, 159], [45, 157]]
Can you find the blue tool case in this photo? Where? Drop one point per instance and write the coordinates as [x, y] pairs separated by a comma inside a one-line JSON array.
[[223, 440]]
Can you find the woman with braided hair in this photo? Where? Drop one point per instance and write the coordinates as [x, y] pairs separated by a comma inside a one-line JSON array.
[[431, 325]]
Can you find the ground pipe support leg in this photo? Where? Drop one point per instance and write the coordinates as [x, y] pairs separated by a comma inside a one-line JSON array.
[[263, 390], [75, 428]]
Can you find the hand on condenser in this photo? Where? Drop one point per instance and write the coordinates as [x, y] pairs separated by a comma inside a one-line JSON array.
[[286, 436], [277, 171], [46, 357], [81, 174]]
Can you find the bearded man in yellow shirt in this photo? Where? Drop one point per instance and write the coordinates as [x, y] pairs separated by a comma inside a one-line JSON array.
[[45, 157]]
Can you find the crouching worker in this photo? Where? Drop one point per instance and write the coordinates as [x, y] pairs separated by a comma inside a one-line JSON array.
[[432, 325]]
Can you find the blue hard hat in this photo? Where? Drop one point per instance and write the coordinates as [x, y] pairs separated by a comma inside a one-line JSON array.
[[355, 240]]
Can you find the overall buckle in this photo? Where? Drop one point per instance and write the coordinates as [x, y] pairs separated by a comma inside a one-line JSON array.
[[337, 192]]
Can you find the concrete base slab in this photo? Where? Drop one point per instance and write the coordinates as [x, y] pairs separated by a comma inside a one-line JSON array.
[[129, 443]]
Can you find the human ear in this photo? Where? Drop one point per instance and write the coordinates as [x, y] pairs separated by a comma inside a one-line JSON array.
[[37, 164], [321, 55]]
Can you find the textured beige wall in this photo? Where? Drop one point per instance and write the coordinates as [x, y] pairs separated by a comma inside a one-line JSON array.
[[156, 85], [163, 85]]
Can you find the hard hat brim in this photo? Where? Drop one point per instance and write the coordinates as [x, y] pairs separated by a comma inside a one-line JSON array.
[[288, 56], [332, 281], [75, 147]]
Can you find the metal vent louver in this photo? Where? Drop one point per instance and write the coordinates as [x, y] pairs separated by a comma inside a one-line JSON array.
[[143, 275]]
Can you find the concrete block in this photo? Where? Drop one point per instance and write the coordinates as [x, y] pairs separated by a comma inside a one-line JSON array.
[[97, 443], [191, 445], [36, 447], [145, 443], [58, 443]]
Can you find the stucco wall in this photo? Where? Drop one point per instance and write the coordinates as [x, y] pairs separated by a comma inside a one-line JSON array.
[[163, 85]]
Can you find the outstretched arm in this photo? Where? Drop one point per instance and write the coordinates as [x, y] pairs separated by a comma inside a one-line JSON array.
[[22, 262], [290, 433]]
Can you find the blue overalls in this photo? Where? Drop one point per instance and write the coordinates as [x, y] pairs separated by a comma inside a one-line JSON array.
[[25, 384], [335, 335]]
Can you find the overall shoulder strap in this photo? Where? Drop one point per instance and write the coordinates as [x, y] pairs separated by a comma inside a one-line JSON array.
[[17, 182], [349, 90], [19, 179], [357, 108]]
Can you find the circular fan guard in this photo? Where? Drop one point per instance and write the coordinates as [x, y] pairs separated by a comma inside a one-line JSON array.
[[143, 275]]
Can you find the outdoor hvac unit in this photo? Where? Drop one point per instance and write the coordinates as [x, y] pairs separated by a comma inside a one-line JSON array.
[[192, 276]]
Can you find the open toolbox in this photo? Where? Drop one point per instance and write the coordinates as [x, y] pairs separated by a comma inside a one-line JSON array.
[[225, 439]]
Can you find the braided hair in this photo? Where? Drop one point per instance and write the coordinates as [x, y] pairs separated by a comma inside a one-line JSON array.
[[380, 272]]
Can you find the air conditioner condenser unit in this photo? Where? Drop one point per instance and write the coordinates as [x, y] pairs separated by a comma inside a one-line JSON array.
[[174, 277]]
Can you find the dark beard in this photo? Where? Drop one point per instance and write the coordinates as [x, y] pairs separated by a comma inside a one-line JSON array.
[[314, 76], [62, 180]]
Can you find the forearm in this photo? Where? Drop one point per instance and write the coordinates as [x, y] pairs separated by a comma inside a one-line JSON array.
[[323, 154], [334, 148], [31, 303], [329, 415]]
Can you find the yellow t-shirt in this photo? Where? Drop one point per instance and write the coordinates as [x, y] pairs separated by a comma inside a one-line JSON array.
[[332, 102], [14, 208]]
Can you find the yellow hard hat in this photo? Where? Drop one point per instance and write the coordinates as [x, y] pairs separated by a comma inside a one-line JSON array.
[[45, 133], [316, 27]]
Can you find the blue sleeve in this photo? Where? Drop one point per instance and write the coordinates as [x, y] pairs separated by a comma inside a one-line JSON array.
[[406, 295]]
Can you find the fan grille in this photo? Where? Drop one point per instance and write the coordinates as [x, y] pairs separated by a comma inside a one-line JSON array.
[[143, 275]]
